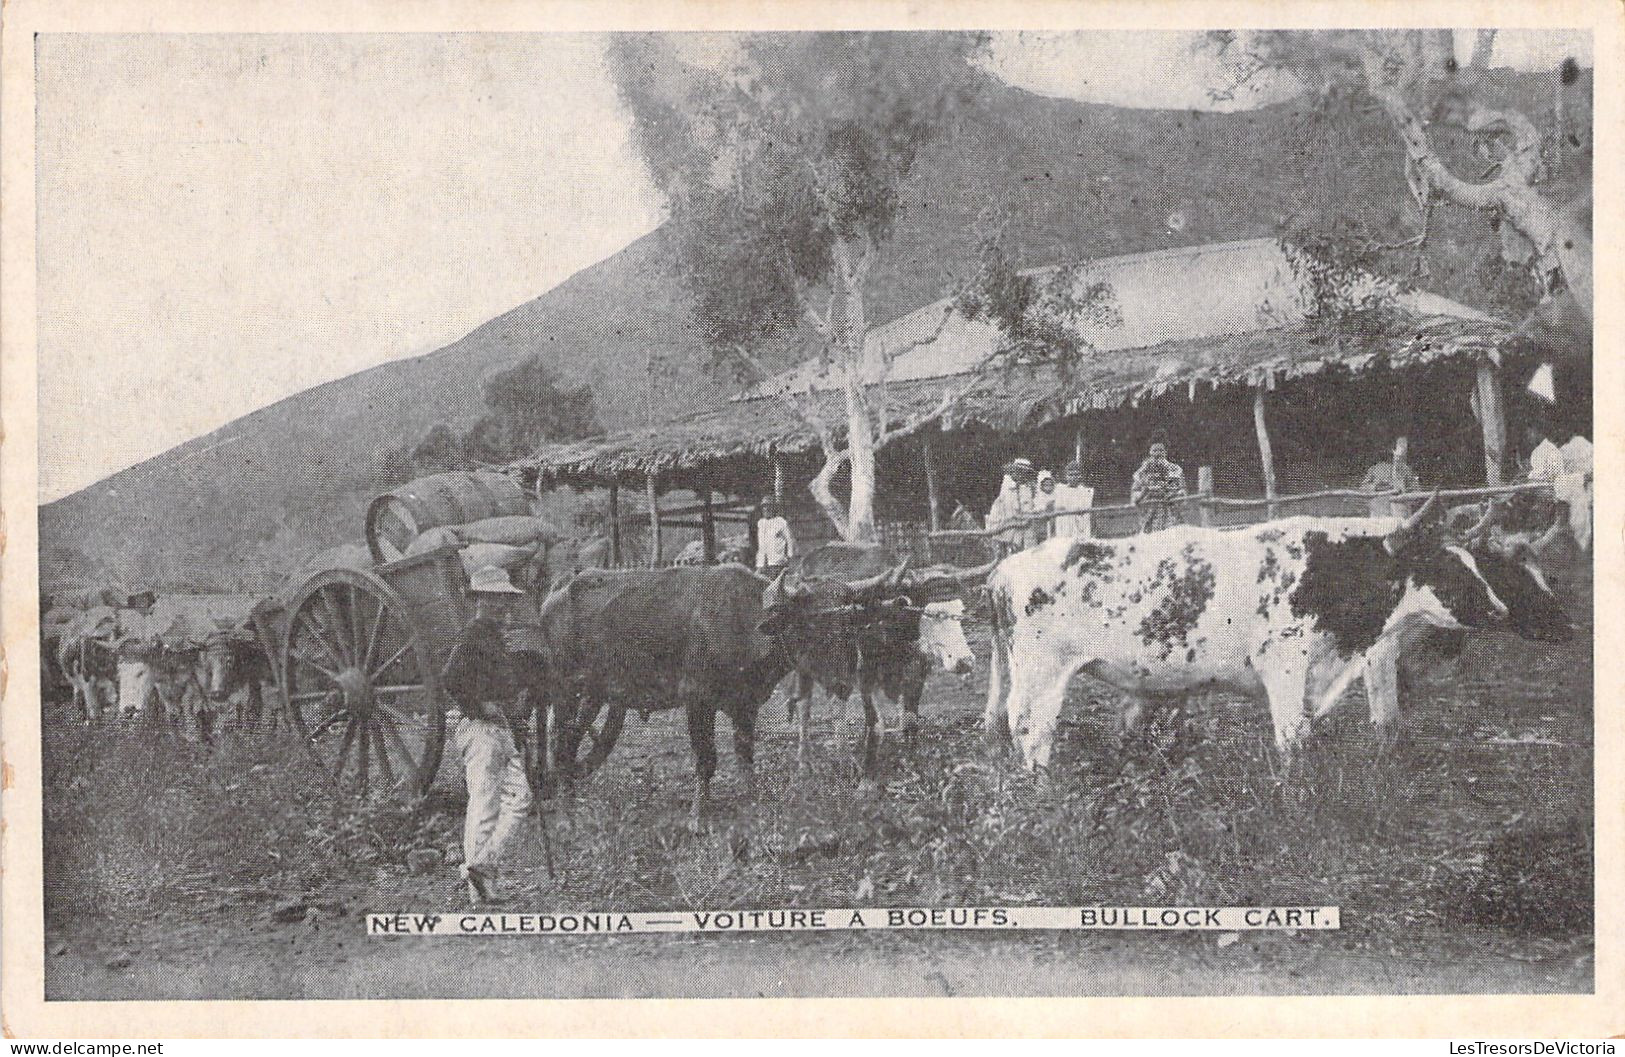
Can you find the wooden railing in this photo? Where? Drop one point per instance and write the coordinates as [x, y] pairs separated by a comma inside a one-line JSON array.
[[965, 546]]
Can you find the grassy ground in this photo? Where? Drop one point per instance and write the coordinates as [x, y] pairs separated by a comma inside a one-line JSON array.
[[1474, 829]]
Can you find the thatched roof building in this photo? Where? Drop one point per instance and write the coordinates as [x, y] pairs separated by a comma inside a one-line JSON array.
[[1188, 320]]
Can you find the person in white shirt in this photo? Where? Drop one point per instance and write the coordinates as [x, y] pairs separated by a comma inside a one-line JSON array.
[[1577, 455], [1015, 503], [1572, 487], [1073, 494], [775, 545], [1545, 458]]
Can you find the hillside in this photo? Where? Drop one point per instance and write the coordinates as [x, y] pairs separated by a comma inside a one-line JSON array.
[[1084, 180]]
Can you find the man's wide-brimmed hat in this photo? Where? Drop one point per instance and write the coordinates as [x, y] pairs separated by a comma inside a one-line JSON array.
[[1019, 465], [492, 580]]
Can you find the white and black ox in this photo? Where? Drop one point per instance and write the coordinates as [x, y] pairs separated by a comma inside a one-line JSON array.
[[1293, 610], [853, 617]]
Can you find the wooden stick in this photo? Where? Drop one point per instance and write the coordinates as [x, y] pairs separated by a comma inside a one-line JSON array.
[[932, 503], [1492, 417], [1265, 454], [654, 520], [708, 526]]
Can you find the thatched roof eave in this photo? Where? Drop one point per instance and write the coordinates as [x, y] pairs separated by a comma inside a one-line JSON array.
[[1013, 399]]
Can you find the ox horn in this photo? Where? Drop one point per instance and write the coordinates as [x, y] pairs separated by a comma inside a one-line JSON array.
[[775, 591], [1396, 540], [869, 583], [1493, 512], [980, 572], [1558, 526]]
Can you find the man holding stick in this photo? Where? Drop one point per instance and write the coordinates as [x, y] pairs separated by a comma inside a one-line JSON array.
[[486, 675]]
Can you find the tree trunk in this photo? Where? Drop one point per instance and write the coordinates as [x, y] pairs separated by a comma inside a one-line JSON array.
[[860, 504], [823, 490], [1560, 243], [851, 331]]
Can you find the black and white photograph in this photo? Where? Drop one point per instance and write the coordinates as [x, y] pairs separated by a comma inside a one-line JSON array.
[[814, 514]]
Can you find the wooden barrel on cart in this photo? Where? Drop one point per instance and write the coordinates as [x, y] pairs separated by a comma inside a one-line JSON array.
[[396, 518]]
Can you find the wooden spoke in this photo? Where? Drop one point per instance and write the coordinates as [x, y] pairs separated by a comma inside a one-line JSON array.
[[393, 736], [311, 695], [364, 753], [397, 688], [321, 728], [317, 631], [379, 619], [383, 756], [335, 631], [344, 750], [403, 651], [357, 624], [327, 673]]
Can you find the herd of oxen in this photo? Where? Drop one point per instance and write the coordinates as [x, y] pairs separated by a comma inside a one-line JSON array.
[[1294, 612], [187, 662]]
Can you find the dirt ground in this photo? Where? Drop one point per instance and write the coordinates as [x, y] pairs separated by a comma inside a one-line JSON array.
[[1494, 768]]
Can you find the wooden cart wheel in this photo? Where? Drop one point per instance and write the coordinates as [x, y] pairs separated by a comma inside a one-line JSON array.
[[363, 691], [580, 736]]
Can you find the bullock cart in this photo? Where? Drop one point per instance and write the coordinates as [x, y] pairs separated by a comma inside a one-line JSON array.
[[357, 655]]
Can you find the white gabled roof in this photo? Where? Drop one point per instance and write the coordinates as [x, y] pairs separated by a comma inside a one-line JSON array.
[[1191, 292]]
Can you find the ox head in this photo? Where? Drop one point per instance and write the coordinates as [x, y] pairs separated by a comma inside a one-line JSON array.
[[1511, 566], [942, 636], [792, 604], [879, 611], [215, 667], [1446, 588], [1471, 579]]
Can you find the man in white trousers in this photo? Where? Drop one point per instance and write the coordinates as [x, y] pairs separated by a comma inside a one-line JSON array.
[[487, 683]]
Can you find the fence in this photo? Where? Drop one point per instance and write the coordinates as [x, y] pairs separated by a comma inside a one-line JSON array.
[[973, 547]]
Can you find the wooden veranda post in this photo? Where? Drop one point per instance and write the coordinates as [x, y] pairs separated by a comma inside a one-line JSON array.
[[1265, 454], [1492, 417], [931, 499], [708, 526], [615, 523], [1204, 496], [653, 494]]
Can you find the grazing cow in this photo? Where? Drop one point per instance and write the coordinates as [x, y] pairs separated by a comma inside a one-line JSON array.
[[657, 639], [845, 613], [232, 672], [1294, 610]]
